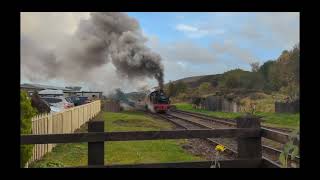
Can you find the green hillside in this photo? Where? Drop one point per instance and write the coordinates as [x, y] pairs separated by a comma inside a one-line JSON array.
[[275, 80]]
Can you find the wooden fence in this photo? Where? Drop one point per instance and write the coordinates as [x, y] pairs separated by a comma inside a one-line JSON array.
[[111, 106], [63, 122], [287, 107], [219, 103], [248, 133]]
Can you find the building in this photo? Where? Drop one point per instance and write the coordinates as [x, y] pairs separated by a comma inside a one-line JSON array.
[[30, 88], [88, 94]]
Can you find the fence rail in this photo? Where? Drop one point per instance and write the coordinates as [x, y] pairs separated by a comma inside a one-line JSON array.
[[248, 134], [63, 122], [139, 135]]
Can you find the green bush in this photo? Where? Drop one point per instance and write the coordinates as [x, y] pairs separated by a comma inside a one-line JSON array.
[[238, 78], [26, 113], [256, 96]]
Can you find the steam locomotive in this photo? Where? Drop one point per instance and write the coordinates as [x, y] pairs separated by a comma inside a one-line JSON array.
[[157, 102]]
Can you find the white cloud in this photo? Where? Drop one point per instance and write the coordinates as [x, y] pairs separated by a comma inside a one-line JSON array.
[[186, 28], [182, 64], [268, 29], [181, 59], [229, 48], [197, 32], [177, 70], [284, 26], [182, 51], [190, 52]]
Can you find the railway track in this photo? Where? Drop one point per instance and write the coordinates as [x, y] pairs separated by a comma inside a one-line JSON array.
[[227, 121], [185, 124], [195, 121], [268, 145]]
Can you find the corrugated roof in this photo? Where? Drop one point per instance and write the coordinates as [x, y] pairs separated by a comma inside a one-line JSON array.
[[50, 91], [40, 86], [26, 86]]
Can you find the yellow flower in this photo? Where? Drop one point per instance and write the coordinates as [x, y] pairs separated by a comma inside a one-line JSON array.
[[220, 148]]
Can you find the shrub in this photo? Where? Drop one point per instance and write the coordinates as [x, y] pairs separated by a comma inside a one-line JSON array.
[[48, 164], [26, 113], [256, 96], [205, 87], [182, 96]]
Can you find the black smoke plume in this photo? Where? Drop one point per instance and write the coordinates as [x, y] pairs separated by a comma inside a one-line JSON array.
[[103, 38]]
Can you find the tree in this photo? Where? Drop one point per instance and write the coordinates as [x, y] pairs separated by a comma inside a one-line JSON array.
[[181, 87], [287, 68], [255, 81], [265, 68], [26, 113], [39, 104], [284, 57], [171, 89], [255, 66], [292, 91], [232, 79], [243, 79], [274, 77], [204, 87]]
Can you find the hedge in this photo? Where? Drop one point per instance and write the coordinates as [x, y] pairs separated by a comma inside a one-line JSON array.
[[26, 113]]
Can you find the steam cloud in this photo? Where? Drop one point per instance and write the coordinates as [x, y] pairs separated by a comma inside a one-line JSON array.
[[103, 38]]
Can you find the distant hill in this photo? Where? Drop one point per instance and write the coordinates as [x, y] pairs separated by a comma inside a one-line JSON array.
[[280, 75], [190, 79], [195, 81]]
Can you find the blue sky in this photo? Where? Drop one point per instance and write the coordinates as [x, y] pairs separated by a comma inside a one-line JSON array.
[[245, 37], [190, 44]]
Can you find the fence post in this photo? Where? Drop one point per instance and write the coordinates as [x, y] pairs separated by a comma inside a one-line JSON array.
[[249, 147], [96, 149]]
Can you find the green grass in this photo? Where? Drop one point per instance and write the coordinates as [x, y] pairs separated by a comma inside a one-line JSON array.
[[142, 151], [280, 120], [188, 107], [146, 152], [132, 121], [67, 154], [126, 151]]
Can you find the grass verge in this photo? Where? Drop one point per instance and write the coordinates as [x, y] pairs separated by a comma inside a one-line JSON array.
[[123, 152], [279, 120]]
